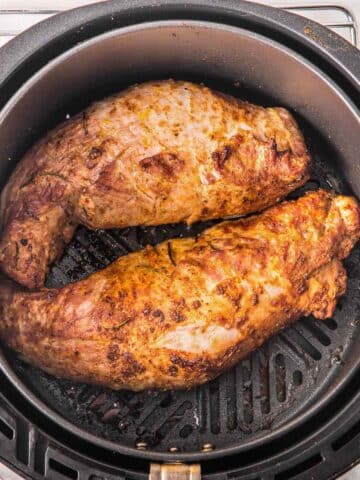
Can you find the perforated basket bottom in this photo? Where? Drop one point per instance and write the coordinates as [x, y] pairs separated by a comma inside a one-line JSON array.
[[278, 382]]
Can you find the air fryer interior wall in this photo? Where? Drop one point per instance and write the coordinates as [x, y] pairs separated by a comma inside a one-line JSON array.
[[244, 64], [188, 49]]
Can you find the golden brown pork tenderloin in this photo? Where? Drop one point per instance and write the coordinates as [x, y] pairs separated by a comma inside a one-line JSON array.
[[159, 152], [179, 314]]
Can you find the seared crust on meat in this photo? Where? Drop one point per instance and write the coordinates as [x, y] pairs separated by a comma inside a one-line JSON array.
[[159, 152], [178, 314]]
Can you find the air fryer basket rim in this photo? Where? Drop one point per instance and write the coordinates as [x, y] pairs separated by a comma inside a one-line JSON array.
[[14, 378], [3, 362], [310, 35], [169, 23]]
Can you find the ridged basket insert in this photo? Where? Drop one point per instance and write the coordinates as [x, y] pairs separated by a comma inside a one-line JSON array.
[[278, 382]]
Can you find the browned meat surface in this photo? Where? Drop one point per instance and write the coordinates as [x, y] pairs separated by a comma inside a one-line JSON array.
[[178, 314], [159, 152]]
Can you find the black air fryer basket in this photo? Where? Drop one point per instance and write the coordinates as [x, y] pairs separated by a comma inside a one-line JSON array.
[[291, 410]]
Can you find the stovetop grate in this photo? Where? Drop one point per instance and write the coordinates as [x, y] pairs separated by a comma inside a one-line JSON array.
[[341, 16]]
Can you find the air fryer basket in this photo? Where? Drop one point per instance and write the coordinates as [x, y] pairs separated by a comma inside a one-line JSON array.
[[292, 379]]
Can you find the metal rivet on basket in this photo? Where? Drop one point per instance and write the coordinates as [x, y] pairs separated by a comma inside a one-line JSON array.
[[207, 447], [141, 445], [173, 449]]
